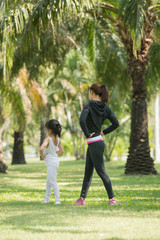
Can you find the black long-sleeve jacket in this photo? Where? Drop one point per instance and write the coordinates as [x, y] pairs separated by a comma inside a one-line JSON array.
[[93, 116]]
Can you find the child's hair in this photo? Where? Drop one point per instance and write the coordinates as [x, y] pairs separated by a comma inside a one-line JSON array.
[[100, 90], [54, 126]]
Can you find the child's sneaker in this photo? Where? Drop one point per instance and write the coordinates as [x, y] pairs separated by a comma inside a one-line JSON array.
[[112, 201], [57, 202], [45, 201], [80, 201]]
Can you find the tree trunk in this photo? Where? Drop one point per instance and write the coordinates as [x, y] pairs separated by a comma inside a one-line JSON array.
[[3, 166], [18, 151], [156, 128], [42, 133], [139, 159]]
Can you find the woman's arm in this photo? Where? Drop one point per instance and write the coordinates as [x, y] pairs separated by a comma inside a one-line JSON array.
[[43, 146], [113, 120], [60, 151]]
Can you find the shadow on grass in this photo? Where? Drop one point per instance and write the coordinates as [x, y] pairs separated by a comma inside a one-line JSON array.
[[112, 238], [128, 200], [49, 217]]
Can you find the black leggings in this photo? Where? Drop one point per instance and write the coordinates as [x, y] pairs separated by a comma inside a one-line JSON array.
[[94, 159]]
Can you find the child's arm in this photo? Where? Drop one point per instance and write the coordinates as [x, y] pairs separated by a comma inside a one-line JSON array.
[[43, 146], [60, 151]]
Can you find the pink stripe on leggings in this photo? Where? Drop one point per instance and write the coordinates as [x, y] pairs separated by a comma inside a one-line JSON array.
[[95, 141]]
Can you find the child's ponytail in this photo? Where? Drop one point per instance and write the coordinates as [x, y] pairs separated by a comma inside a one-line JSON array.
[[58, 129]]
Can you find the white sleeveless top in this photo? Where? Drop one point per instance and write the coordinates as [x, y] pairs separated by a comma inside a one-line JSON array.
[[52, 157]]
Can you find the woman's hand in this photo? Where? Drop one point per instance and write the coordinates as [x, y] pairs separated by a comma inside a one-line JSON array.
[[90, 135], [102, 133]]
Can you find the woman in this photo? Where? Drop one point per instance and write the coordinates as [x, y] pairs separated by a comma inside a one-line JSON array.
[[93, 115]]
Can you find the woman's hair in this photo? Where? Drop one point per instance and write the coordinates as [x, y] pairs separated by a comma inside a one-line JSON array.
[[54, 126], [100, 90]]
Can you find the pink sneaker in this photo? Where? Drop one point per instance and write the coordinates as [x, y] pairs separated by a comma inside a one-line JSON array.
[[80, 201], [112, 201]]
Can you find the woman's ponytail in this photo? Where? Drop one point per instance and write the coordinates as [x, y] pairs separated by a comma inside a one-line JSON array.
[[104, 96]]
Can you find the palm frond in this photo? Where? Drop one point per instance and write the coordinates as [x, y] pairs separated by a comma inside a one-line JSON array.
[[157, 31], [154, 60], [91, 40], [11, 25], [134, 16], [154, 8], [153, 70], [14, 97], [47, 12], [109, 7]]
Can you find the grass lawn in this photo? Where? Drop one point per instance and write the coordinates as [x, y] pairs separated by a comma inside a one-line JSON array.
[[22, 216]]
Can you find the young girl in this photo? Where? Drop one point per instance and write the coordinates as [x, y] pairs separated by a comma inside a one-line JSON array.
[[92, 117], [49, 151]]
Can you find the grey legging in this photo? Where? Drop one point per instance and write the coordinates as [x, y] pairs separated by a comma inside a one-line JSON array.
[[94, 159]]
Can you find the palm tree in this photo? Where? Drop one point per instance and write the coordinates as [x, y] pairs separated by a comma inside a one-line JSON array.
[[34, 99], [12, 100], [22, 97]]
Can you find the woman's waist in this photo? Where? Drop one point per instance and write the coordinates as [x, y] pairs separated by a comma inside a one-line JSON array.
[[94, 139]]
